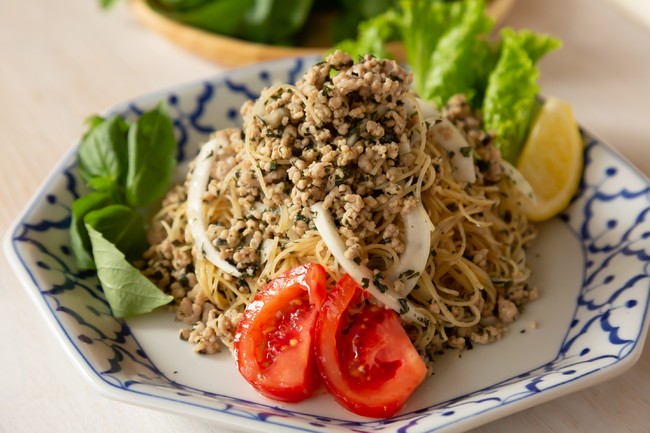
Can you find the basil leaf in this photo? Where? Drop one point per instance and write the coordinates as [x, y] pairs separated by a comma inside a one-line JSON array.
[[127, 291], [92, 122], [79, 240], [103, 184], [103, 150], [152, 156], [122, 226]]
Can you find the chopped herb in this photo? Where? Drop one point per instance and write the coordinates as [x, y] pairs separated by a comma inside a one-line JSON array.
[[301, 217], [377, 279], [388, 138], [341, 176], [505, 283], [483, 165], [353, 131], [404, 306], [408, 274]]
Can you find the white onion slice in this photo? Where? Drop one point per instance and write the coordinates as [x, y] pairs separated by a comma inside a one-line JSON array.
[[196, 222], [454, 143], [417, 244], [360, 273], [519, 181], [428, 109]]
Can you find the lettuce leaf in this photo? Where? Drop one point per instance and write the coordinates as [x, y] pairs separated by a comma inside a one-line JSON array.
[[448, 51], [422, 26], [536, 45], [458, 60], [372, 36], [512, 88]]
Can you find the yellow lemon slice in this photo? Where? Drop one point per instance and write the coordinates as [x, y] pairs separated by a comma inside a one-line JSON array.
[[552, 160]]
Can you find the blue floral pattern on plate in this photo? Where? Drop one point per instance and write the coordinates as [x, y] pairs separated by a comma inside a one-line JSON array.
[[608, 219]]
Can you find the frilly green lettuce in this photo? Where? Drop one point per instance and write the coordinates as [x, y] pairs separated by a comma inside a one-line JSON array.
[[449, 51]]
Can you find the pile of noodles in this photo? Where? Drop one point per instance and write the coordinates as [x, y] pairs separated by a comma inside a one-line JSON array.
[[462, 235]]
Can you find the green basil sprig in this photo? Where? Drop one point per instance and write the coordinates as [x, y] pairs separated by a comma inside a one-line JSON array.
[[127, 167], [128, 291]]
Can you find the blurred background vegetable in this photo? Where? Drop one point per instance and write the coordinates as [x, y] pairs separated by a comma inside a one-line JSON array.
[[275, 22]]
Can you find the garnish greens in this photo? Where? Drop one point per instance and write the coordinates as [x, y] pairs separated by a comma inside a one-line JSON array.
[[128, 291], [127, 167], [448, 48]]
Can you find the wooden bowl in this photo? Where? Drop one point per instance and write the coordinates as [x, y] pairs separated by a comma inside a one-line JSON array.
[[231, 52]]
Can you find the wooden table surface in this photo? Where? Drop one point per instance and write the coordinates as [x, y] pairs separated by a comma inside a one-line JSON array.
[[61, 61]]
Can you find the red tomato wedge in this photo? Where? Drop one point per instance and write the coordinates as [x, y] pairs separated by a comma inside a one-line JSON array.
[[364, 355], [273, 344]]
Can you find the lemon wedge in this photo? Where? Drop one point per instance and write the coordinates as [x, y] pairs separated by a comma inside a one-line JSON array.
[[552, 160]]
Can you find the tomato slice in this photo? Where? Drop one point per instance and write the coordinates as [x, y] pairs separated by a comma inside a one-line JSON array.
[[273, 345], [363, 353]]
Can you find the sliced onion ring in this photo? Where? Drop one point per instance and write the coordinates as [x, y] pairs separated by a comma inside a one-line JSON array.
[[360, 273], [417, 243], [519, 181], [454, 143], [195, 219]]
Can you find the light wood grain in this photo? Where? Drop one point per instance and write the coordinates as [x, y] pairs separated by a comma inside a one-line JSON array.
[[61, 61]]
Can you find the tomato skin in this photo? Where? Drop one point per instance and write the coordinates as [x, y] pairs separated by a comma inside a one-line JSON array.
[[273, 345], [366, 359]]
